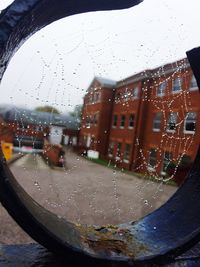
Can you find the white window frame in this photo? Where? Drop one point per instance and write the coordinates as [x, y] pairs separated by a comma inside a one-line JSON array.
[[111, 145], [135, 95], [129, 153], [170, 114], [155, 120], [113, 123], [122, 127], [118, 151], [118, 97], [88, 141], [165, 159], [160, 87], [131, 127], [185, 122], [193, 81], [179, 81], [150, 167]]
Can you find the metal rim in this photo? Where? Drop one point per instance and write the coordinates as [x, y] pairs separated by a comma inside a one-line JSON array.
[[160, 236]]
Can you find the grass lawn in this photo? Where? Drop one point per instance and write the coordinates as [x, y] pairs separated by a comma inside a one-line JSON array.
[[112, 166]]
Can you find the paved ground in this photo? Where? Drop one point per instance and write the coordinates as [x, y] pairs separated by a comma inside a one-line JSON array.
[[83, 192]]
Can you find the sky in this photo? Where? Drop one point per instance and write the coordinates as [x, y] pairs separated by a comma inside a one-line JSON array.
[[57, 64]]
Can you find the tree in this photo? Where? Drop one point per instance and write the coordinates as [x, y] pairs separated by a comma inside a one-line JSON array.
[[47, 108]]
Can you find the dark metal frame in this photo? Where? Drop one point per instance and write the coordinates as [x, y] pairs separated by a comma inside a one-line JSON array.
[[156, 238]]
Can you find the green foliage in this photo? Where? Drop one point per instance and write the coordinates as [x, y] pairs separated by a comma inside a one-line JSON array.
[[143, 176], [47, 108], [102, 162]]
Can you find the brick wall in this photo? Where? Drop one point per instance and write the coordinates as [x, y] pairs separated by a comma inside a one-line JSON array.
[[28, 130], [6, 134], [96, 118], [178, 141], [143, 96]]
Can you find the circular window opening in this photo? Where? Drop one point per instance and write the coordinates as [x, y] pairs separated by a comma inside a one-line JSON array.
[[103, 127]]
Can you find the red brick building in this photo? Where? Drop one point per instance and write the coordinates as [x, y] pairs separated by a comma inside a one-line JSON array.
[[144, 121], [96, 116], [31, 128], [6, 134], [172, 118], [126, 114]]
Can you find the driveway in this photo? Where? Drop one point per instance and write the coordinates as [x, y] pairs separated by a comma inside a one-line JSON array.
[[84, 192]]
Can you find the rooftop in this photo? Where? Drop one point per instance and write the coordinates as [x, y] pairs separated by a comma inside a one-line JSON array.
[[26, 116]]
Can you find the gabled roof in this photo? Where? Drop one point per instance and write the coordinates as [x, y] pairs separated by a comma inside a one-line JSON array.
[[107, 83]]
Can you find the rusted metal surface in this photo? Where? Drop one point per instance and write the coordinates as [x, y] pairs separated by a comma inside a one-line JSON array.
[[159, 237], [110, 241]]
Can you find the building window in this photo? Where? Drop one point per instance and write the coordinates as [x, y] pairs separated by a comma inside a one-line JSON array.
[[95, 119], [167, 157], [91, 120], [127, 153], [157, 121], [190, 122], [161, 89], [91, 99], [88, 141], [118, 151], [152, 159], [96, 97], [117, 97], [172, 120], [193, 83], [110, 149], [126, 96], [122, 122], [114, 121], [87, 121], [39, 128], [135, 92], [176, 86], [131, 121]]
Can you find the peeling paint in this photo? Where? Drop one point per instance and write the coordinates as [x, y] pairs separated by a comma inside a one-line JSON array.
[[110, 240]]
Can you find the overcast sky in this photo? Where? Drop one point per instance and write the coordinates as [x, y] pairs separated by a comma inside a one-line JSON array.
[[56, 65]]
